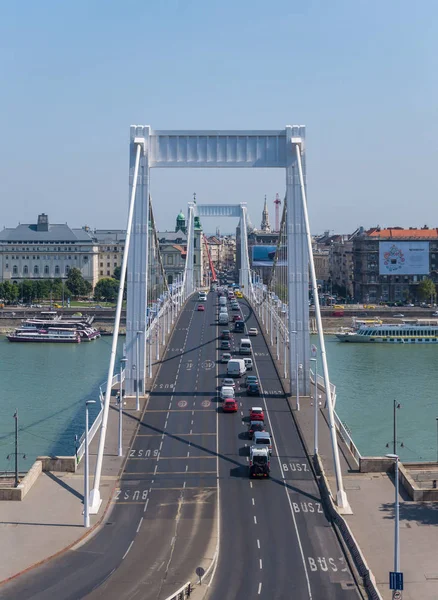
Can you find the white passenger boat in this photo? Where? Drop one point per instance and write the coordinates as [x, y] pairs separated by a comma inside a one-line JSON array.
[[56, 335], [405, 333]]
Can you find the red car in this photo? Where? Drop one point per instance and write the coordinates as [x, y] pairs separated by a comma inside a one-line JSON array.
[[256, 414], [237, 318], [201, 307], [229, 405]]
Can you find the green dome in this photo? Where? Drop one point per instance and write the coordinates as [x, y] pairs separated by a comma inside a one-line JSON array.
[[181, 217]]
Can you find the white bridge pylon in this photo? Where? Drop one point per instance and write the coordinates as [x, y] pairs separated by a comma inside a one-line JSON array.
[[218, 210], [216, 149]]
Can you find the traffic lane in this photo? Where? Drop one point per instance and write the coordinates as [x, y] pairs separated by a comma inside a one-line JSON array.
[[77, 572], [153, 556]]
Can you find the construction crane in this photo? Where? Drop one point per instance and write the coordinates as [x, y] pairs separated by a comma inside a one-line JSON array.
[[210, 262], [277, 203]]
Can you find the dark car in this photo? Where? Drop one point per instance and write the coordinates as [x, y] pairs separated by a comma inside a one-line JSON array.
[[255, 426], [253, 389], [225, 345], [226, 334]]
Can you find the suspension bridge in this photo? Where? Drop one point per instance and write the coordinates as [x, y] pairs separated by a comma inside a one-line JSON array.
[[185, 504]]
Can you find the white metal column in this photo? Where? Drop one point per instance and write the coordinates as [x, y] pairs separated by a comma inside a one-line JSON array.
[[136, 304], [297, 268], [244, 266]]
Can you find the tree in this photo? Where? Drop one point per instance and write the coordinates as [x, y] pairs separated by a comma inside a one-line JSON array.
[[117, 273], [106, 289], [426, 289], [76, 283]]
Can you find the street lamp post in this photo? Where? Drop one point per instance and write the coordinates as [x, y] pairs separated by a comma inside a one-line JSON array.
[[137, 350], [122, 363], [86, 469], [397, 516], [315, 400], [436, 439], [16, 446]]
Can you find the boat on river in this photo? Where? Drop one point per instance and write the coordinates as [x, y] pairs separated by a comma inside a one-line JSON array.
[[53, 335], [84, 328], [404, 333]]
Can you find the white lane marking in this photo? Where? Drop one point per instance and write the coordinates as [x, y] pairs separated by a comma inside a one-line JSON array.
[[260, 563], [188, 453], [250, 484], [161, 445], [247, 459], [187, 468], [129, 548], [258, 544], [241, 412], [190, 432], [285, 488], [184, 484], [253, 501], [260, 588], [155, 470], [255, 520], [139, 525], [191, 422], [193, 412], [170, 404], [165, 424]]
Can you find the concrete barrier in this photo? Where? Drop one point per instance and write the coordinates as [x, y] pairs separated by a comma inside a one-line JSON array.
[[65, 464], [375, 464], [19, 492]]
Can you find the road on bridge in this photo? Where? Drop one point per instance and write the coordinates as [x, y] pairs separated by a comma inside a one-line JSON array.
[[187, 459]]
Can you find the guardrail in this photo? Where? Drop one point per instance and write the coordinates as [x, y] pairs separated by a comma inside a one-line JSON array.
[[183, 592]]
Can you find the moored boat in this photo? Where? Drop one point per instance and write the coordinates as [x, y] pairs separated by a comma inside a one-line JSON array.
[[405, 333], [55, 335]]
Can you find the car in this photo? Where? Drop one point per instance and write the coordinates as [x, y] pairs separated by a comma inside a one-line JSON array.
[[255, 426], [435, 314], [398, 315], [253, 389], [226, 334], [229, 405], [256, 414], [237, 318], [228, 382], [252, 331], [235, 307], [225, 345], [226, 356], [227, 392], [201, 307], [251, 379]]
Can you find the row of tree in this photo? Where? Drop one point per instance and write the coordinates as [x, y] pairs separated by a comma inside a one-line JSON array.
[[74, 286]]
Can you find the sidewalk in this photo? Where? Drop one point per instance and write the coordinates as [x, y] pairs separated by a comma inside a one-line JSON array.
[[49, 519], [371, 498]]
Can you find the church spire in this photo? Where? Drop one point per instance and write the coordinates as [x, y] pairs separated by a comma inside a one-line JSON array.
[[265, 218]]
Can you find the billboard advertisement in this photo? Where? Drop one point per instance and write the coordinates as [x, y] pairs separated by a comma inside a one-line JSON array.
[[263, 256], [404, 258]]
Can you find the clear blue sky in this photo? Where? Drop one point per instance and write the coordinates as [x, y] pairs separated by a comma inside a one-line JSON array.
[[360, 74]]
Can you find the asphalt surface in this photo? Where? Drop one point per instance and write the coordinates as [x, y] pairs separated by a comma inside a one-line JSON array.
[[275, 540], [164, 513]]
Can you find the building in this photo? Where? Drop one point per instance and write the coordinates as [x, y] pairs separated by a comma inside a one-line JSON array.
[[173, 248], [111, 244], [265, 226], [47, 251], [390, 263]]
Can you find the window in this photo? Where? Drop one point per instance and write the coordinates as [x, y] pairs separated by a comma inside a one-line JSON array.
[[108, 273], [107, 264], [67, 269], [101, 264], [194, 259], [36, 270], [57, 270], [115, 265], [7, 266], [101, 272], [46, 270], [25, 270], [86, 259], [170, 259]]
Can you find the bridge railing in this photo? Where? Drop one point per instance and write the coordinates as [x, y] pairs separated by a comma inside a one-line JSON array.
[[98, 420]]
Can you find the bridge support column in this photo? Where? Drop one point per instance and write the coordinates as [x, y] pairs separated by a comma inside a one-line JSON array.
[[297, 270], [189, 281], [137, 271], [244, 266]]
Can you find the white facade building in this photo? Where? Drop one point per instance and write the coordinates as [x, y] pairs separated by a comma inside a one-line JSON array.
[[46, 251]]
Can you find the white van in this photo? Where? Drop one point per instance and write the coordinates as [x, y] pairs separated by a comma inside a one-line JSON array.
[[236, 367], [222, 301], [245, 346], [223, 309], [248, 363], [223, 318]]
